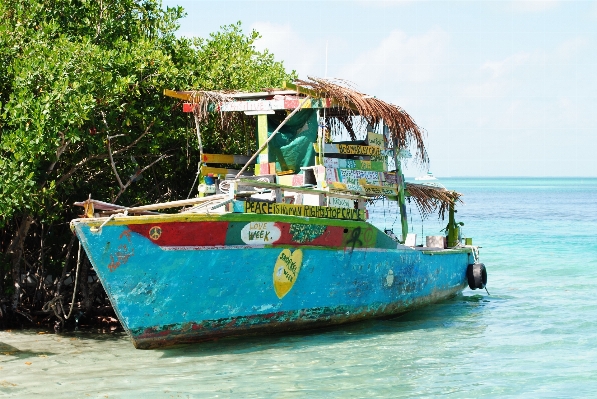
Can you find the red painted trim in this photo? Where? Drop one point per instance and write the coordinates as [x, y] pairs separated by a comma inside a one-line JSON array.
[[183, 234]]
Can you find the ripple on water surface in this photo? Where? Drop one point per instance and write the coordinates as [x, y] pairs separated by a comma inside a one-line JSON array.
[[533, 337]]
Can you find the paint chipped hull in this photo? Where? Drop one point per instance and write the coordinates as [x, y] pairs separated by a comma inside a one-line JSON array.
[[177, 279]]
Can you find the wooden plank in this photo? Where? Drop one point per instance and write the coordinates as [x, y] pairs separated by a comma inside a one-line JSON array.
[[262, 137], [340, 202], [181, 95], [380, 190], [172, 204], [261, 105], [268, 208], [269, 106], [186, 95], [352, 149], [263, 94], [339, 163], [205, 170], [299, 189], [376, 140], [223, 158], [352, 176]]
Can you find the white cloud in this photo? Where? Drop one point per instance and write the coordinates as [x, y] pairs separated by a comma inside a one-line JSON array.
[[534, 5], [400, 58], [386, 3], [496, 77], [288, 45], [500, 68], [570, 48]]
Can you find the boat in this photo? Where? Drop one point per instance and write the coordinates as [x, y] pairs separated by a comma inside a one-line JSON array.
[[428, 176], [283, 243]]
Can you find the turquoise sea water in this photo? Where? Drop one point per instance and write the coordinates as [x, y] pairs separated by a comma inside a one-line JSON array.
[[534, 336]]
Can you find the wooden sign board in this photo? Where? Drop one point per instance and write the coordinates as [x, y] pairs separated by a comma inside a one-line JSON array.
[[269, 208], [376, 140], [341, 202], [380, 190], [337, 163], [354, 176], [351, 149], [263, 105], [288, 102]]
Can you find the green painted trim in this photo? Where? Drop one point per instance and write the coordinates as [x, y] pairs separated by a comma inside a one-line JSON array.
[[449, 251], [401, 199], [227, 217]]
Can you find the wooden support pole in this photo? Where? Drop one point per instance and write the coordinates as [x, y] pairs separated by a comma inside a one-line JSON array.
[[264, 145], [262, 138], [401, 197]]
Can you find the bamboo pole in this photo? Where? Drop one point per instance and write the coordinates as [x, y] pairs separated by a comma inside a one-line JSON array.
[[272, 136]]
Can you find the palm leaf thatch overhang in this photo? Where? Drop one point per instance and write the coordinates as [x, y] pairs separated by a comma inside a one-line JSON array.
[[345, 102], [430, 199], [349, 102]]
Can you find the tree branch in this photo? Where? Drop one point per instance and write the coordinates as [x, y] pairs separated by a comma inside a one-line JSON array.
[[132, 179], [110, 155]]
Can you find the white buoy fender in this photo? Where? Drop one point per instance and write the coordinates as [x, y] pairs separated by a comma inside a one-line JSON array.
[[476, 275]]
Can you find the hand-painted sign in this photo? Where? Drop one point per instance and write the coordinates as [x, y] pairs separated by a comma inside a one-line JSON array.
[[331, 175], [380, 190], [286, 270], [263, 105], [336, 163], [259, 233], [390, 178], [302, 233], [376, 140], [303, 210], [349, 176], [358, 149], [287, 102], [341, 202]]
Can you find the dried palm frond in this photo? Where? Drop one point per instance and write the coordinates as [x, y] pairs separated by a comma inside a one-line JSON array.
[[403, 129], [428, 198], [206, 100]]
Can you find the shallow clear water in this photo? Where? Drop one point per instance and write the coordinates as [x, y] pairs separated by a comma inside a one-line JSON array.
[[535, 336]]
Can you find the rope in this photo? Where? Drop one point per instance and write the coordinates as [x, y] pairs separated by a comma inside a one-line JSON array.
[[103, 224], [195, 181], [52, 304]]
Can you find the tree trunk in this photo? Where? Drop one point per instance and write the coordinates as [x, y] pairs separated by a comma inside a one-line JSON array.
[[83, 284], [16, 249]]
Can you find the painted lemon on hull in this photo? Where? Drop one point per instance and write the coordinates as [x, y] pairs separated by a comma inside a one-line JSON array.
[[286, 270]]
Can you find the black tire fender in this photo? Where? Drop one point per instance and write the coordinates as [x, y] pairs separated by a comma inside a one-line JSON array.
[[476, 275]]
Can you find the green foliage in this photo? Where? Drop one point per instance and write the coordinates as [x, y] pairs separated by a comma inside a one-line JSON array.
[[80, 76], [73, 72], [228, 60]]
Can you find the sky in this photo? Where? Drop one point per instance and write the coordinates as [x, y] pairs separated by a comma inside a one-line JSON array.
[[502, 88]]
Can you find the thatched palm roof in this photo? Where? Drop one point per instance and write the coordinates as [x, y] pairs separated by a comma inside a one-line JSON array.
[[345, 102], [403, 129], [431, 198]]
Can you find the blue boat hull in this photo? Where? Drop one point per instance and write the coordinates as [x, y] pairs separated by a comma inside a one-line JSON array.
[[172, 294]]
